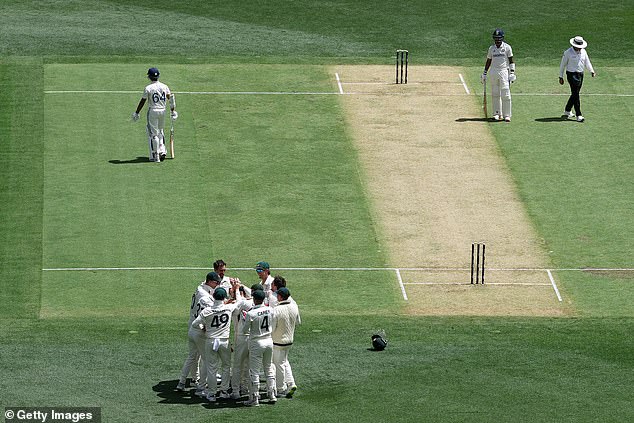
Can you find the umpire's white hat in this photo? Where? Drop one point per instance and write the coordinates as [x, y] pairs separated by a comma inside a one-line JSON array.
[[578, 42]]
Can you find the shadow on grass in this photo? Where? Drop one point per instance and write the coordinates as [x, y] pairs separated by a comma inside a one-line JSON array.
[[166, 391], [555, 119], [140, 159], [478, 120]]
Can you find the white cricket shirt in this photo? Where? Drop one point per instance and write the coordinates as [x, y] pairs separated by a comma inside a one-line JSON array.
[[500, 56], [259, 322], [156, 95]]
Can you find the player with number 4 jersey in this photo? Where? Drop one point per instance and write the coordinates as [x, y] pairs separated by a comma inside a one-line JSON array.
[[259, 324]]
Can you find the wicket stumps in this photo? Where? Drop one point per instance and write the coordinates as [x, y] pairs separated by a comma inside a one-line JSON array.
[[403, 57], [477, 262]]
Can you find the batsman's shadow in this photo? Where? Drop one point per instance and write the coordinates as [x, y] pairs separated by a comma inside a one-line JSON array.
[[140, 159], [554, 119], [480, 119]]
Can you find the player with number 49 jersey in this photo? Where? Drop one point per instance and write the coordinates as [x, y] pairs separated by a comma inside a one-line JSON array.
[[217, 323]]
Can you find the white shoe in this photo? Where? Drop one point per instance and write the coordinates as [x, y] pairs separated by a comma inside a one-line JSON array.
[[180, 386], [202, 393], [253, 402], [507, 119], [211, 398], [272, 396], [580, 118], [496, 117], [224, 395], [567, 115]]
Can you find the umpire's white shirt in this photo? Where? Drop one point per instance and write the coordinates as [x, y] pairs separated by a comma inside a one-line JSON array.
[[575, 62]]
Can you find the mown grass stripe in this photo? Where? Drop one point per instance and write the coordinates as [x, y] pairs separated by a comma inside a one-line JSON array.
[[21, 186]]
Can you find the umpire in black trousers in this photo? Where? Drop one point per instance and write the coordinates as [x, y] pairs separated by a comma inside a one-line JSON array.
[[574, 61]]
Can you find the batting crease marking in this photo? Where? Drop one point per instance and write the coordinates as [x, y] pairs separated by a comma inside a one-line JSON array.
[[400, 282], [464, 84], [339, 83], [552, 281]]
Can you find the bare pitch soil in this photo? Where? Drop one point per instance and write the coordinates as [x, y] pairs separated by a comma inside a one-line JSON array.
[[438, 183]]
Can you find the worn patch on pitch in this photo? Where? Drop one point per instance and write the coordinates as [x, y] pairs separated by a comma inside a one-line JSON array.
[[438, 183]]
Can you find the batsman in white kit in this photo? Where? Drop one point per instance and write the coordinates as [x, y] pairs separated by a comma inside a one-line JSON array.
[[156, 94], [500, 61]]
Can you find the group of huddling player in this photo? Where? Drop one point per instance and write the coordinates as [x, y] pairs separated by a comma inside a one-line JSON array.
[[263, 318]]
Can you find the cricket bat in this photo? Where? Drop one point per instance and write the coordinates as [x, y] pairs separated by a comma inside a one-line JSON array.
[[172, 138], [484, 104]]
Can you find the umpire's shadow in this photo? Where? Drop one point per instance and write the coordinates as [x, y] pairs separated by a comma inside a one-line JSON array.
[[140, 159], [166, 391]]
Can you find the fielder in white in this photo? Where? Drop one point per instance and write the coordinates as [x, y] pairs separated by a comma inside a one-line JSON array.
[[264, 274], [220, 267], [156, 94], [286, 318], [196, 336], [259, 324], [217, 323], [500, 61], [240, 359]]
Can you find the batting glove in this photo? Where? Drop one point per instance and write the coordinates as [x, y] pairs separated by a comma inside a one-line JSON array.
[[512, 77], [483, 78], [135, 116], [174, 115]]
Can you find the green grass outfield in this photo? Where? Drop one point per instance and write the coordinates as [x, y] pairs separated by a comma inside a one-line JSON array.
[[276, 177]]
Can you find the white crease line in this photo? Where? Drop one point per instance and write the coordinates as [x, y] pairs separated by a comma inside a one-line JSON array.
[[400, 282], [464, 84], [552, 281], [349, 269], [339, 83], [488, 283], [321, 93]]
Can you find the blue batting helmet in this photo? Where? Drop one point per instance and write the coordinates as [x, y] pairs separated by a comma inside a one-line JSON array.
[[498, 34], [153, 74]]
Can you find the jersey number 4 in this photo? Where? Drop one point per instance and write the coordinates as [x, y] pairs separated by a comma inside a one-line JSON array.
[[265, 324]]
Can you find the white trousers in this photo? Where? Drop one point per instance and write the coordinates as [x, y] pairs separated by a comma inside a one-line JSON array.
[[240, 363], [196, 345], [155, 132], [501, 93], [218, 357], [261, 356], [283, 372]]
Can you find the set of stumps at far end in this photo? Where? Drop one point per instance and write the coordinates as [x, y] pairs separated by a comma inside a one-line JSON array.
[[402, 56], [478, 254]]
